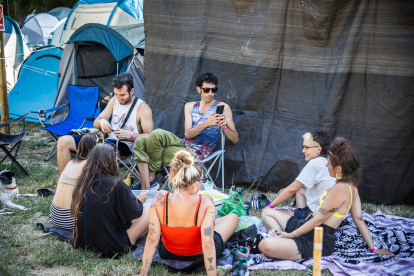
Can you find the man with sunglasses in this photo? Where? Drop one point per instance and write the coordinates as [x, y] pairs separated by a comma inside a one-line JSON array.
[[121, 129], [202, 132]]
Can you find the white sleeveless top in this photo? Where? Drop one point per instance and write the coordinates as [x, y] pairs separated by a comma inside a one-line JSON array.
[[118, 116]]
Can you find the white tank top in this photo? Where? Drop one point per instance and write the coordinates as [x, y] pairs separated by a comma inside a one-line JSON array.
[[119, 114]]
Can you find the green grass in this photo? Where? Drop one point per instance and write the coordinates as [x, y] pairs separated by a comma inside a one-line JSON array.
[[25, 251]]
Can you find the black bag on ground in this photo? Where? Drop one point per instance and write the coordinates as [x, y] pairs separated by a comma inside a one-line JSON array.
[[246, 237]]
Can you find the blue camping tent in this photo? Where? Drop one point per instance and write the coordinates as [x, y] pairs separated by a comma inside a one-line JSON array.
[[60, 12], [15, 50], [37, 83], [94, 55], [106, 12]]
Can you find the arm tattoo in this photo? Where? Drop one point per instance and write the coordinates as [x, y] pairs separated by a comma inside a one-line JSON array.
[[146, 263], [151, 231], [210, 259], [211, 268], [325, 212], [207, 231], [158, 201]]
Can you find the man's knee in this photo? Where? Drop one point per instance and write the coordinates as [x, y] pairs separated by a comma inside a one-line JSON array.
[[66, 142]]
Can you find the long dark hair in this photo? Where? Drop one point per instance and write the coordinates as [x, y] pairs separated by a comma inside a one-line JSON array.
[[101, 161], [342, 154], [85, 146]]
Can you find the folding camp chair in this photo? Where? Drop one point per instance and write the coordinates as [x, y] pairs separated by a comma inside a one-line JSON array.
[[15, 140], [129, 164], [216, 155], [82, 111]]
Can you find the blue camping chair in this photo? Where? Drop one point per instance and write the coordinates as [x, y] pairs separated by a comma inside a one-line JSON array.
[[82, 112]]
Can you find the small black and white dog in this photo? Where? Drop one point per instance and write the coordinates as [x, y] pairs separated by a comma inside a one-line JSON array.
[[9, 191]]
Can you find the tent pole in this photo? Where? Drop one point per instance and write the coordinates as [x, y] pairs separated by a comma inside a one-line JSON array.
[[3, 88]]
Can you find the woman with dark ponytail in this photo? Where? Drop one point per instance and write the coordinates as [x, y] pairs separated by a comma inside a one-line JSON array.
[[296, 242]]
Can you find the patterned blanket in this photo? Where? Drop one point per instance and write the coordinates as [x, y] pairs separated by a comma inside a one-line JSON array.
[[352, 257]]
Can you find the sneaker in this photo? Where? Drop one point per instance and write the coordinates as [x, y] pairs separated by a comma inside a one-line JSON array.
[[227, 262], [240, 268], [259, 202], [137, 186]]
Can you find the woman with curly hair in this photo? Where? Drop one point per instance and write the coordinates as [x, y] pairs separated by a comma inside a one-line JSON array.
[[296, 241]]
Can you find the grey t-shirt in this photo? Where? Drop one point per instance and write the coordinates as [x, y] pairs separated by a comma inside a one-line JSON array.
[[315, 176]]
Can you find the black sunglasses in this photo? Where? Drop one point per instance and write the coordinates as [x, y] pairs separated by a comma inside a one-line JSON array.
[[207, 90], [121, 82], [203, 179]]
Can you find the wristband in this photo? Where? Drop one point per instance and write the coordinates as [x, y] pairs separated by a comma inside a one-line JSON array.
[[132, 135], [373, 249], [139, 200], [224, 129], [294, 233], [270, 205]]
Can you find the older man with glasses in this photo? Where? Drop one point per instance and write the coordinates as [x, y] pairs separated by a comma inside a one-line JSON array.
[[202, 132], [308, 187], [131, 118]]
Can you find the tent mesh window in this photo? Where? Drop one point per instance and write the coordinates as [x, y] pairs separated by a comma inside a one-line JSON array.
[[96, 66]]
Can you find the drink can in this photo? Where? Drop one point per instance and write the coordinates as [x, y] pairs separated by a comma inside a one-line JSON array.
[[310, 269], [240, 191], [246, 209]]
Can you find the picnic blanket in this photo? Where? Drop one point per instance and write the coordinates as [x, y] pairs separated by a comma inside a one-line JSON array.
[[351, 255]]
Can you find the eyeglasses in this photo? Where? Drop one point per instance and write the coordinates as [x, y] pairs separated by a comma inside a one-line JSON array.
[[207, 90], [98, 138], [203, 179], [121, 82], [306, 147]]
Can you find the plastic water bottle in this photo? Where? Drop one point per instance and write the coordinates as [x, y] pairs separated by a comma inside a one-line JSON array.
[[42, 115]]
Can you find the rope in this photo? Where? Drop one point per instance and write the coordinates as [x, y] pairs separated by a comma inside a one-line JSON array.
[[36, 51]]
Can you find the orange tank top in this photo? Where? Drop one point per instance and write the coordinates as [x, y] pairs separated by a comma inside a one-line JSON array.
[[183, 241]]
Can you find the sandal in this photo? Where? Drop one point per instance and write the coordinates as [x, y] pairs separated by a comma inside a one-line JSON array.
[[259, 202]]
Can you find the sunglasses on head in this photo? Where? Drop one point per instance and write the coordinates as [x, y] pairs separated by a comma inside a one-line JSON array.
[[207, 90], [121, 82]]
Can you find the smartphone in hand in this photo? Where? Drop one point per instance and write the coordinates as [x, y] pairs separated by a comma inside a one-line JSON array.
[[219, 109]]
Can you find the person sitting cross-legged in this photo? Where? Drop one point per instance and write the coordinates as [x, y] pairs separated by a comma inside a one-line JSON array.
[[186, 220], [60, 209], [202, 133], [108, 217], [312, 181], [294, 237], [139, 123]]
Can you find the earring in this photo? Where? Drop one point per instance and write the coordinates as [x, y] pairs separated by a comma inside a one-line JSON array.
[[338, 176]]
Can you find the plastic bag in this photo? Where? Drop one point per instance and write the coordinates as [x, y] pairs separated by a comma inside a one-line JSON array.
[[247, 221], [233, 204]]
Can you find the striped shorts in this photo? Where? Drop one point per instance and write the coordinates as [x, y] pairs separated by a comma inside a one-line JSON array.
[[61, 218]]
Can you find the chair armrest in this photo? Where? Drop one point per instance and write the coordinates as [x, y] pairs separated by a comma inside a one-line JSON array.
[[52, 109], [214, 154], [14, 120]]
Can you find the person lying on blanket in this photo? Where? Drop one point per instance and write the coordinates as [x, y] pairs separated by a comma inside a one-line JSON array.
[[312, 181], [108, 217], [293, 237], [186, 220]]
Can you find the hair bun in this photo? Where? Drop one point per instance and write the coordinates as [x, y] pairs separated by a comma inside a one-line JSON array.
[[184, 158]]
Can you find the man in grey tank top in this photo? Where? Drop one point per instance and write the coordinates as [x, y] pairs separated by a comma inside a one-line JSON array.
[[202, 133], [139, 124]]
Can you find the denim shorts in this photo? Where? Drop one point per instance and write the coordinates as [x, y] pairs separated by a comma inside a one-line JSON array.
[[302, 213], [305, 242]]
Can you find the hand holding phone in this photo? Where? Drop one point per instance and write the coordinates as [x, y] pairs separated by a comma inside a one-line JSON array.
[[220, 109]]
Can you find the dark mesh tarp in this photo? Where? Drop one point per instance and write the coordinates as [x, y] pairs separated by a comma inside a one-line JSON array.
[[287, 67]]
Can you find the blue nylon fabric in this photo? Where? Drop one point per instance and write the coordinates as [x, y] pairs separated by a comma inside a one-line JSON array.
[[132, 7], [118, 46], [8, 25], [82, 103], [34, 90]]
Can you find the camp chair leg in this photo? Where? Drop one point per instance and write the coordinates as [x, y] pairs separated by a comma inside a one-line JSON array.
[[10, 151], [131, 170], [14, 161], [166, 181], [52, 152]]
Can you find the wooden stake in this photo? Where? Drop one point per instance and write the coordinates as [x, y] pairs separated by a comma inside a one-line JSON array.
[[317, 251], [4, 103]]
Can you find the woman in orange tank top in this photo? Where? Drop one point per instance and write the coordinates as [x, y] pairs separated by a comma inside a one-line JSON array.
[[297, 242], [186, 220]]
